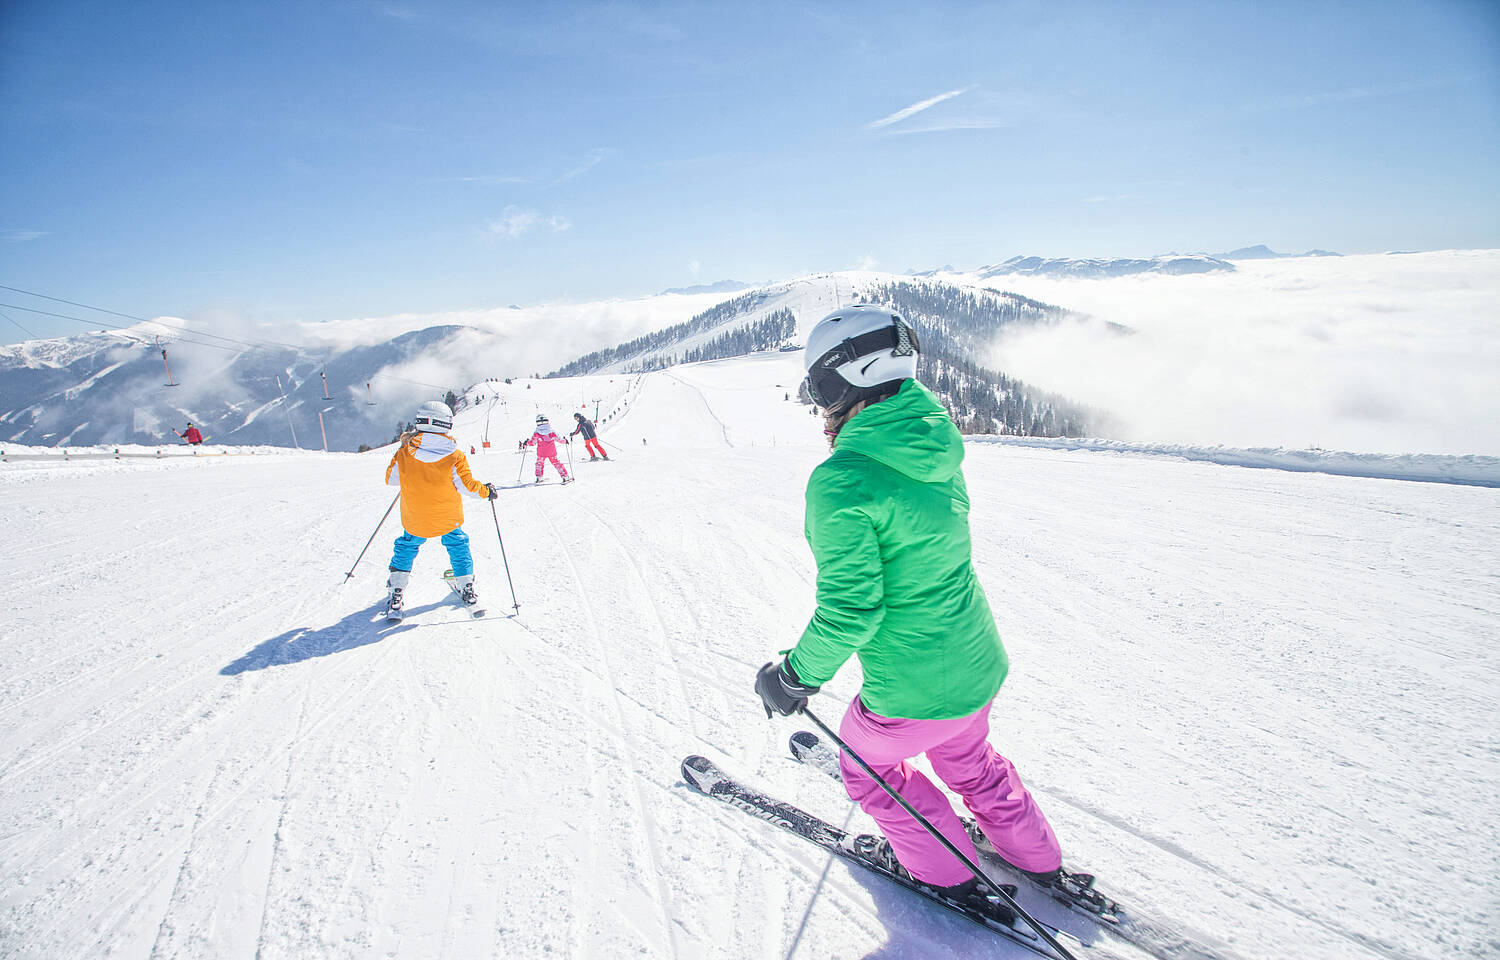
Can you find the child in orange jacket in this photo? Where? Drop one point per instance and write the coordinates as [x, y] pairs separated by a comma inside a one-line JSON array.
[[432, 473]]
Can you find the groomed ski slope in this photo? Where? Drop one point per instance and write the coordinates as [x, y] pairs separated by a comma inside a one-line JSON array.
[[1259, 703]]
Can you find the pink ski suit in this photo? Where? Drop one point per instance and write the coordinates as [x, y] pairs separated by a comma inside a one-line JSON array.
[[546, 443]]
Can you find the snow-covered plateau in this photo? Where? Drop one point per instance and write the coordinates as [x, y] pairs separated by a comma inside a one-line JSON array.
[[1257, 703]]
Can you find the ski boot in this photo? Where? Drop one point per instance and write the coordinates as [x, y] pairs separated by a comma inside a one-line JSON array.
[[395, 601], [971, 894], [975, 895], [538, 479], [1074, 889], [1077, 890], [567, 479], [464, 587]]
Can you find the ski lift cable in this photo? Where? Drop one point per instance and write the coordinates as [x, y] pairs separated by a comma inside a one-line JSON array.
[[164, 323], [88, 323], [177, 338], [17, 323], [199, 343], [131, 336]]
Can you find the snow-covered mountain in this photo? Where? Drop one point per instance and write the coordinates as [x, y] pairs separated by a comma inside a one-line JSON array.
[[720, 286], [112, 388], [1171, 264], [1254, 702], [1262, 252], [956, 326]]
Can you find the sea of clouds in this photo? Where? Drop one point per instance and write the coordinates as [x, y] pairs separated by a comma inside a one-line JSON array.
[[1386, 353]]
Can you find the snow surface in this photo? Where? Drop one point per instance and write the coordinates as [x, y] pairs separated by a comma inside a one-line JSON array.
[[1433, 468], [1258, 703]]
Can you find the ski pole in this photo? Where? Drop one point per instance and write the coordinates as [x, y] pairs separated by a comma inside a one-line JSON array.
[[513, 601], [522, 468], [570, 455], [938, 835], [372, 538]]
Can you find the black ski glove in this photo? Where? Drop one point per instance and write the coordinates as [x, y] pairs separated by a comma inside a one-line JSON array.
[[494, 491], [781, 690]]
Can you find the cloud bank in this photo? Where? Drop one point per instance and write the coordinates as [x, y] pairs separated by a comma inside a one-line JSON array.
[[515, 222], [1378, 354]]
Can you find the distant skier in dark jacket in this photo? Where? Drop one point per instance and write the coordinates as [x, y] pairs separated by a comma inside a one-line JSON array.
[[590, 442]]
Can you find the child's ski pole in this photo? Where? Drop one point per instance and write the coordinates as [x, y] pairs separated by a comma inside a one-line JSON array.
[[513, 601], [372, 538]]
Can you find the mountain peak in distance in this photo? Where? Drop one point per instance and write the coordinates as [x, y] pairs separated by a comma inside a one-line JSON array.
[[1262, 252], [722, 286]]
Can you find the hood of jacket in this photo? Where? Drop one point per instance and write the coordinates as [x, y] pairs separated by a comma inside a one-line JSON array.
[[909, 432]]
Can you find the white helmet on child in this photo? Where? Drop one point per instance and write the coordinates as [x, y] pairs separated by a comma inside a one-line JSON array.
[[858, 352], [541, 418], [434, 416]]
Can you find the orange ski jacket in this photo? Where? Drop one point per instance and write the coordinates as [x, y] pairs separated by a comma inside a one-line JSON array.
[[432, 473]]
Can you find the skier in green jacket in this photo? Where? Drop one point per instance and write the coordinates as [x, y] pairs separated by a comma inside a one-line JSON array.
[[888, 522]]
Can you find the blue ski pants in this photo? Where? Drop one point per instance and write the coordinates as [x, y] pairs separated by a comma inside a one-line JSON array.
[[455, 540]]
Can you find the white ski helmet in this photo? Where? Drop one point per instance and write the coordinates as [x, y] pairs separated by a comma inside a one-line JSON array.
[[858, 352], [434, 416]]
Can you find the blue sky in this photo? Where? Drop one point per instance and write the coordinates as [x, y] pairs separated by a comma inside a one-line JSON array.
[[307, 161]]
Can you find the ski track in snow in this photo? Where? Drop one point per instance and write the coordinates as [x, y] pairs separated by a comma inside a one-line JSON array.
[[1257, 704]]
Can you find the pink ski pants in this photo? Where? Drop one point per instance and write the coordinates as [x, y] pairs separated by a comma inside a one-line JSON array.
[[964, 760], [542, 461]]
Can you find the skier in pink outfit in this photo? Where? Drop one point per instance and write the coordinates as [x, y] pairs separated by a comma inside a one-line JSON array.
[[888, 522], [546, 443]]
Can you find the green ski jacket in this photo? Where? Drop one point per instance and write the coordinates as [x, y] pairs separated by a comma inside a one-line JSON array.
[[888, 523]]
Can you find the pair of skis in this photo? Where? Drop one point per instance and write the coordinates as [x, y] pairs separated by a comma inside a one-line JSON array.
[[1074, 891], [396, 614]]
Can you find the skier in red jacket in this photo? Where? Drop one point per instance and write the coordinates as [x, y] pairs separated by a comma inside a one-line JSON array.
[[191, 434], [546, 443]]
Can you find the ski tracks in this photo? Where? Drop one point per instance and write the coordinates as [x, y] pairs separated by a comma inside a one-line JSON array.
[[707, 407], [663, 899]]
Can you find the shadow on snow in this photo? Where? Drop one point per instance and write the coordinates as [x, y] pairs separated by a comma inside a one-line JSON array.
[[358, 629]]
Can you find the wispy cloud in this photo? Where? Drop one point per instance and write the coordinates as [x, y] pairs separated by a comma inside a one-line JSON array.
[[492, 179], [595, 157], [399, 11], [1353, 94], [973, 123], [21, 236], [916, 108], [514, 223]]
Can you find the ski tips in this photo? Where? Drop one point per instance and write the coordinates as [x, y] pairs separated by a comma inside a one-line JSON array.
[[802, 741], [700, 773]]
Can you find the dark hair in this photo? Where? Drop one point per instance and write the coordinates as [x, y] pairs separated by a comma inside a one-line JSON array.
[[834, 420]]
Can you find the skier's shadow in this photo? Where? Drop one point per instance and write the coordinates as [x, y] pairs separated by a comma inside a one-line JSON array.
[[358, 629], [918, 928]]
